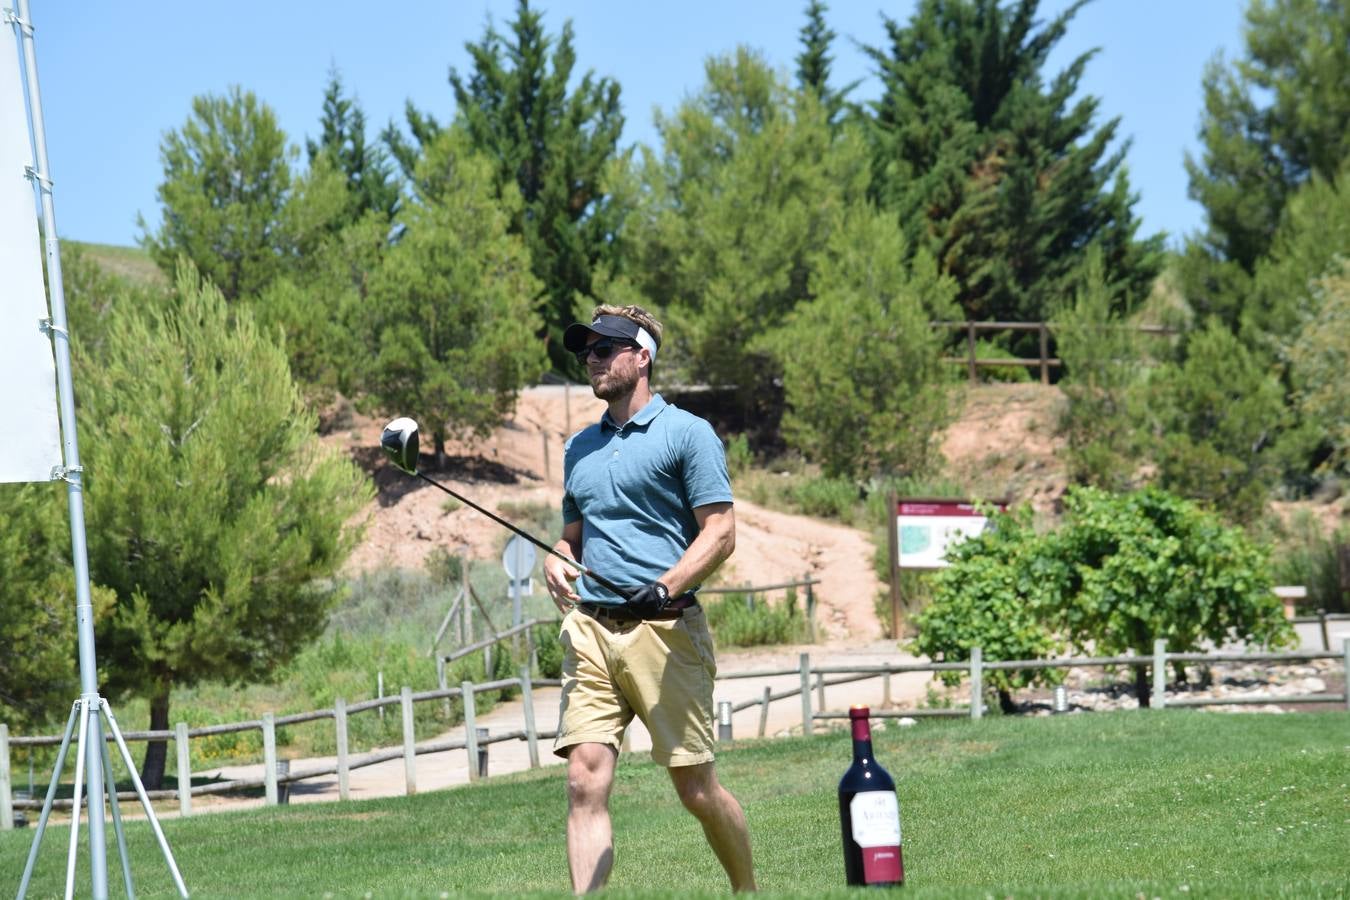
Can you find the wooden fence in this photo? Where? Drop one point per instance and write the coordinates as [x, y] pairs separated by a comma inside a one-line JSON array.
[[474, 742], [1042, 361]]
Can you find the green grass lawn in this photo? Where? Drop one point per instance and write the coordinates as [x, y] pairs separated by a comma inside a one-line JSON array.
[[1171, 803]]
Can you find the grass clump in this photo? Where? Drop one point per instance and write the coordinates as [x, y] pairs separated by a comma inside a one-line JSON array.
[[741, 620]]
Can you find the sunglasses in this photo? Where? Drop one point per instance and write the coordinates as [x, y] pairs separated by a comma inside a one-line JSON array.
[[604, 349]]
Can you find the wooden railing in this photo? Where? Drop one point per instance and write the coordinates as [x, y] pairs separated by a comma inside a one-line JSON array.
[[1042, 361]]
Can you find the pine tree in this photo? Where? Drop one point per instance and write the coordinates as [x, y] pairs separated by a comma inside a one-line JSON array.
[[226, 179], [550, 142], [991, 170], [214, 515], [749, 187], [815, 60], [369, 172], [1272, 120], [38, 674], [230, 203], [448, 326]]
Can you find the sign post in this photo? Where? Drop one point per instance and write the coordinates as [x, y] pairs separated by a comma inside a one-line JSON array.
[[518, 560]]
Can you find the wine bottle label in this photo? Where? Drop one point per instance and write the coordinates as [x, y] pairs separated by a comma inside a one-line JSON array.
[[875, 817]]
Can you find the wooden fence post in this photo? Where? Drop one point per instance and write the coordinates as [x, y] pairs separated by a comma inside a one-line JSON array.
[[1326, 639], [1159, 698], [470, 729], [527, 702], [976, 682], [440, 683], [810, 609], [343, 772], [1345, 650], [6, 796], [820, 692], [409, 740], [465, 611], [886, 690], [970, 350], [1045, 353], [180, 742], [807, 724], [269, 730], [764, 711]]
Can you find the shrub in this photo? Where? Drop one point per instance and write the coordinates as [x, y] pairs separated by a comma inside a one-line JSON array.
[[1305, 554], [995, 596], [548, 650], [1122, 571], [827, 498], [991, 350], [738, 620], [739, 456]]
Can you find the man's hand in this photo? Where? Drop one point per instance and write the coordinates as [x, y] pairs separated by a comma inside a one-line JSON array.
[[560, 578], [649, 600]]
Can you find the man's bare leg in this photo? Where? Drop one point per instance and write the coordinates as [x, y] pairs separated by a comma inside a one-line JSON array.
[[590, 837], [722, 819]]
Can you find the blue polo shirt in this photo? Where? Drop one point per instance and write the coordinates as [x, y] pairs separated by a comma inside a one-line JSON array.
[[634, 488]]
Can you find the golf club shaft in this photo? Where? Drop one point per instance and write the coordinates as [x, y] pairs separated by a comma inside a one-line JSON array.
[[598, 579]]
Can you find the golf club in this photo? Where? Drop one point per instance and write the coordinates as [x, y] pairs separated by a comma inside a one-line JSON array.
[[399, 442]]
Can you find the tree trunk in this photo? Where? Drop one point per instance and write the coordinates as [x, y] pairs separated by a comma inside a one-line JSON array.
[[152, 770], [438, 443], [1142, 688]]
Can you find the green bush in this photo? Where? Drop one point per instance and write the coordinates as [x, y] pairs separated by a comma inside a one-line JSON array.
[[827, 498], [739, 620], [1305, 554], [548, 650], [1120, 572], [739, 456], [995, 596], [991, 350]]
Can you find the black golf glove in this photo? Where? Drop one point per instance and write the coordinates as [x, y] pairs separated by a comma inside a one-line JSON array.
[[649, 600]]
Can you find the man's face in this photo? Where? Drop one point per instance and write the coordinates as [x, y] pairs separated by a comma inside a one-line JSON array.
[[617, 374]]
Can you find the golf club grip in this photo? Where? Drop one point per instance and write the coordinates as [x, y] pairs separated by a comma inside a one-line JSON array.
[[599, 579]]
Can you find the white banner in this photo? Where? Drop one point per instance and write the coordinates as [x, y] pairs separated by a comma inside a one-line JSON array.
[[30, 430]]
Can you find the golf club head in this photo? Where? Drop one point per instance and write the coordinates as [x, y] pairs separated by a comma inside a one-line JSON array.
[[399, 442]]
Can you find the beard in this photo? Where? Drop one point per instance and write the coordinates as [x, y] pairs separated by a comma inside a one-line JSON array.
[[612, 384]]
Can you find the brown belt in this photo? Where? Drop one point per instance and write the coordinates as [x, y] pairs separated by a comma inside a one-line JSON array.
[[622, 614]]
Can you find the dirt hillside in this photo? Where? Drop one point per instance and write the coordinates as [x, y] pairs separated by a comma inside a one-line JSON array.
[[1003, 445]]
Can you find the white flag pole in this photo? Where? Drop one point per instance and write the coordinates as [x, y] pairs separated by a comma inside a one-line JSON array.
[[71, 472]]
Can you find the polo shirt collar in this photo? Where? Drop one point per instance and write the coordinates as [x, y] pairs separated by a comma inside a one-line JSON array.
[[643, 417]]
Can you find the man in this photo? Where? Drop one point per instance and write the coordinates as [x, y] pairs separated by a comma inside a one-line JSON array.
[[647, 503]]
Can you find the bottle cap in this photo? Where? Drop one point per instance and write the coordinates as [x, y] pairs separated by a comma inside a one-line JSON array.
[[857, 711]]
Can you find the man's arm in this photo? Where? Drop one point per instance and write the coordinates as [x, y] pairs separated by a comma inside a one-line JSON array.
[[558, 575], [715, 542]]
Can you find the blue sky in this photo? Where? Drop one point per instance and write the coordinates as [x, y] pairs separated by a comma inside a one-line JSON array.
[[115, 77]]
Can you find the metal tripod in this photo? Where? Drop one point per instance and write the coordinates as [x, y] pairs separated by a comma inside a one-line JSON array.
[[85, 711]]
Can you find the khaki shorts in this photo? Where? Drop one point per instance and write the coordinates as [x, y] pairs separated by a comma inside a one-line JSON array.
[[662, 672]]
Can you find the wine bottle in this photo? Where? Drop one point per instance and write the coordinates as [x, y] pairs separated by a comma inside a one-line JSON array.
[[869, 814]]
